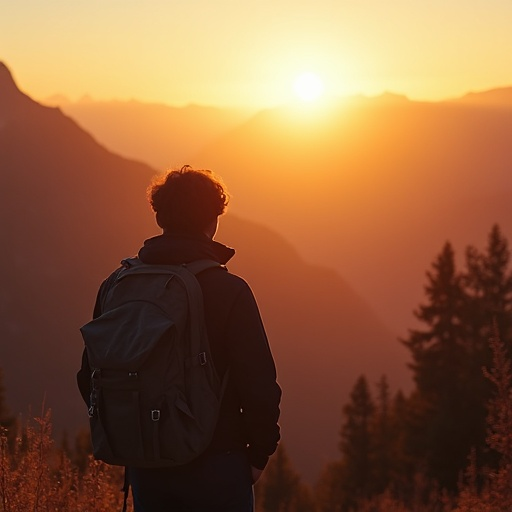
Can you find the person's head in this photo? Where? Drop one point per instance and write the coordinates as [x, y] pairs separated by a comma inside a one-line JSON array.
[[188, 201]]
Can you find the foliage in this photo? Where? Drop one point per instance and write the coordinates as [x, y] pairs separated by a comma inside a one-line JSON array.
[[7, 421], [36, 476], [356, 444], [448, 352], [447, 447], [495, 494]]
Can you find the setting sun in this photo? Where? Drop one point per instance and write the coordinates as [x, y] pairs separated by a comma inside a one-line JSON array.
[[308, 87]]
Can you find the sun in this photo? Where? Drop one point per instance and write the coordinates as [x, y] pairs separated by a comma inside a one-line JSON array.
[[308, 87]]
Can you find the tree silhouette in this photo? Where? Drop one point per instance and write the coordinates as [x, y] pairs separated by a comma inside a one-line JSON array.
[[438, 352], [448, 354], [280, 488], [383, 439], [356, 444], [329, 492], [489, 284]]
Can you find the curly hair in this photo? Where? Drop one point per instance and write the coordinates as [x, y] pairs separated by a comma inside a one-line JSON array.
[[187, 200]]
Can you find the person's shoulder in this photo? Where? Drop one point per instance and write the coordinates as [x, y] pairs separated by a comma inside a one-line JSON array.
[[109, 281], [112, 276], [223, 273], [223, 277]]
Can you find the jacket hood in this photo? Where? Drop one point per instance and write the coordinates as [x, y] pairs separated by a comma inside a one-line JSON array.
[[170, 249]]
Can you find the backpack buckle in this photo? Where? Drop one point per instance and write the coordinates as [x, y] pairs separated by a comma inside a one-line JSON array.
[[155, 415], [202, 358]]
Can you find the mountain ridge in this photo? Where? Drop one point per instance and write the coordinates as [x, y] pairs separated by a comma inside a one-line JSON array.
[[70, 210], [385, 173], [410, 143]]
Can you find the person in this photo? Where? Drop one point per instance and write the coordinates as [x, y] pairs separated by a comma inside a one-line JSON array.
[[187, 204]]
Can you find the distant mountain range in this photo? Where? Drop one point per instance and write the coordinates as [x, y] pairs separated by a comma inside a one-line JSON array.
[[374, 187], [162, 136], [71, 209], [499, 98], [370, 186]]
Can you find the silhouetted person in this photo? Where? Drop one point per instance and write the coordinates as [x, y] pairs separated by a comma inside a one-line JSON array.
[[187, 204]]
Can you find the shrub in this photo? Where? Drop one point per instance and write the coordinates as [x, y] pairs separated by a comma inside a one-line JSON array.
[[35, 476]]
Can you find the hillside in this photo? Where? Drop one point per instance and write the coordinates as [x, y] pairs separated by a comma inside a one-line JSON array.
[[374, 187], [157, 134], [498, 98], [323, 336], [71, 210], [68, 210]]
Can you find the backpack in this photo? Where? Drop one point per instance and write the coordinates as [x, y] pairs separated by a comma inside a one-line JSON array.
[[155, 394]]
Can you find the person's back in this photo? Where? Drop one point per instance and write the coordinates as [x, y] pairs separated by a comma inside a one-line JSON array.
[[187, 204]]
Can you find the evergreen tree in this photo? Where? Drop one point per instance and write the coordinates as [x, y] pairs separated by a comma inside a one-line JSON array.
[[356, 445], [496, 491], [280, 488], [448, 355], [329, 490], [436, 349], [489, 289], [489, 284], [406, 435], [383, 437], [439, 364]]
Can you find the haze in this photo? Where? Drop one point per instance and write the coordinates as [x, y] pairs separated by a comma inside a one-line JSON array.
[[354, 196], [248, 54]]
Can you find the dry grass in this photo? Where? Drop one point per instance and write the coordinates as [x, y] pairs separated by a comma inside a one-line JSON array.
[[36, 476]]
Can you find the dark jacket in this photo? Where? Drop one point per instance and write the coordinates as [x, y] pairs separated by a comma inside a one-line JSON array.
[[250, 407]]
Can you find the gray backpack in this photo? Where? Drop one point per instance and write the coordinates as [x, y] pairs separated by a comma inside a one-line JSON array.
[[155, 394]]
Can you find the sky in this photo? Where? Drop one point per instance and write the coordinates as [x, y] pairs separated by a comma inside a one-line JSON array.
[[248, 53]]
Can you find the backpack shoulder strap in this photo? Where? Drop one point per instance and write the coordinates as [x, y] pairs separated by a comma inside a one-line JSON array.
[[131, 262], [196, 267]]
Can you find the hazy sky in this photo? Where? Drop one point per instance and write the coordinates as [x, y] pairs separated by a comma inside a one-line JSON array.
[[227, 52]]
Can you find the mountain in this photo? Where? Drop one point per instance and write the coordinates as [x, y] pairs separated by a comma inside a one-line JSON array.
[[323, 335], [497, 98], [70, 210], [373, 187], [157, 134]]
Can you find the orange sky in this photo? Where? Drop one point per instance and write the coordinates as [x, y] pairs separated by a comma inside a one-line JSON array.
[[230, 52]]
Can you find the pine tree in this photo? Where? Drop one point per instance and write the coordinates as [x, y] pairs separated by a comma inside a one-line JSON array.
[[439, 364], [496, 492], [449, 352], [406, 437], [280, 488], [489, 284], [356, 445], [329, 491], [383, 436], [436, 349]]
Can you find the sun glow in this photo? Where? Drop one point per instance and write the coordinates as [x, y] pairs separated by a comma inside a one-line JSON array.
[[308, 87]]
